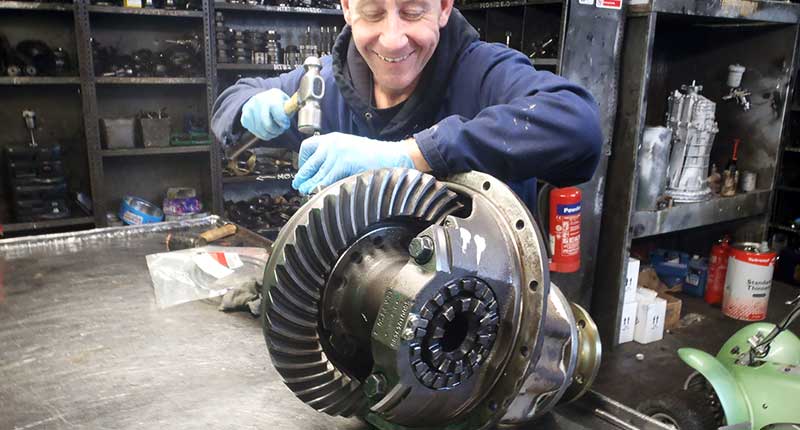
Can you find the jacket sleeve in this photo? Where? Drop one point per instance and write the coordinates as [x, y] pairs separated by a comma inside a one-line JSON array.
[[228, 107], [530, 123]]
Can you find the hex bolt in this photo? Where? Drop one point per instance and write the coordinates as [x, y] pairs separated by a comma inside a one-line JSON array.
[[421, 249], [375, 386]]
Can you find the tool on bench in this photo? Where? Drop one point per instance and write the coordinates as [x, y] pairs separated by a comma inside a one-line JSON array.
[[305, 101], [184, 241]]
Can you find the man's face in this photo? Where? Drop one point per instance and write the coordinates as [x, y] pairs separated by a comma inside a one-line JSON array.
[[396, 37]]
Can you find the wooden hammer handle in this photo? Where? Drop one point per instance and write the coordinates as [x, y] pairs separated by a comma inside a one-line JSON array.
[[219, 233], [292, 105]]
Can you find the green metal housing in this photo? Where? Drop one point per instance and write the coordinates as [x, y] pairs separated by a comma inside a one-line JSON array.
[[761, 394]]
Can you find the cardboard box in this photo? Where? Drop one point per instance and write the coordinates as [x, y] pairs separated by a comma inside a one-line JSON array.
[[650, 316], [627, 322], [631, 280], [673, 314]]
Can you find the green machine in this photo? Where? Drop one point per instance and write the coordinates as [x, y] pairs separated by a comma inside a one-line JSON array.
[[753, 383]]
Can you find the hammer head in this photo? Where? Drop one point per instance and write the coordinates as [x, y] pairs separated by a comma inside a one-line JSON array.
[[309, 95]]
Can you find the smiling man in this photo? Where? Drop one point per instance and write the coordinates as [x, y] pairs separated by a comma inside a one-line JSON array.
[[410, 85]]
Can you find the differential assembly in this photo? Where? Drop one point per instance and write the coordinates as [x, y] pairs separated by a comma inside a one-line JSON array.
[[416, 303]]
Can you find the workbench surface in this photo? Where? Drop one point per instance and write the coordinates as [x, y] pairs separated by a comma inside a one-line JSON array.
[[83, 345]]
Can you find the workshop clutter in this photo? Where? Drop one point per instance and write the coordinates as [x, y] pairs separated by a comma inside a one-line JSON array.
[[152, 129], [153, 4], [176, 58], [264, 214], [38, 187], [277, 163], [244, 46], [320, 4], [33, 58], [675, 160], [649, 307], [180, 203]]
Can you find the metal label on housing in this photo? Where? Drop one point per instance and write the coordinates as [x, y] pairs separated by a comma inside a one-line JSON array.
[[391, 319]]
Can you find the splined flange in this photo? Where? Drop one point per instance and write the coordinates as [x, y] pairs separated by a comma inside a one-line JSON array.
[[455, 333]]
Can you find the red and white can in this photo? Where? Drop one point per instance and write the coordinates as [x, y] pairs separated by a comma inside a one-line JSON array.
[[717, 269], [748, 281]]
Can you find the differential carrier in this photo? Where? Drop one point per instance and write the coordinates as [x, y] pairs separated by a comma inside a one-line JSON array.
[[416, 303]]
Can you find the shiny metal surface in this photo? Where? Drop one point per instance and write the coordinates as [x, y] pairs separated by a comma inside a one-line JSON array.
[[691, 117], [653, 161], [418, 303]]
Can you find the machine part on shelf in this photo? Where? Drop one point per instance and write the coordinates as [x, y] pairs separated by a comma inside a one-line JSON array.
[[183, 241], [734, 81], [715, 180], [545, 47], [653, 161], [38, 57], [418, 303], [729, 181], [30, 124], [263, 213], [748, 181], [137, 211], [748, 281], [691, 118], [305, 101]]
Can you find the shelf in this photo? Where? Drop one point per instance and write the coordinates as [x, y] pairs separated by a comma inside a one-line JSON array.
[[40, 80], [20, 5], [692, 215], [262, 67], [282, 9], [155, 151], [792, 149], [788, 188], [785, 228], [544, 61], [748, 10], [39, 225], [143, 11], [254, 178], [500, 4], [149, 81]]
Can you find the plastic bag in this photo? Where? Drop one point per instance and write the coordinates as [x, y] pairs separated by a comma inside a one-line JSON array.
[[203, 273]]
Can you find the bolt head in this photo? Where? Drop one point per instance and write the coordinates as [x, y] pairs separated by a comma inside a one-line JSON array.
[[421, 249], [375, 386]]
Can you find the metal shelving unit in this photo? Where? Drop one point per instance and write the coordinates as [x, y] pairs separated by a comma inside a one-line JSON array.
[[276, 9], [106, 80], [154, 151], [256, 67], [654, 62], [148, 170], [282, 177], [36, 6], [502, 4], [40, 80], [792, 149], [93, 9]]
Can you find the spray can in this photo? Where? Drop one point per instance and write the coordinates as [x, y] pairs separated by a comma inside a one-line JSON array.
[[717, 269], [748, 281]]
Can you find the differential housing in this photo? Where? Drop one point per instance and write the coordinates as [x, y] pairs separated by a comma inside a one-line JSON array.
[[418, 303]]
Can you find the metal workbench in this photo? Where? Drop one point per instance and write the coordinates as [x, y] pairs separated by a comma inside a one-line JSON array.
[[83, 345]]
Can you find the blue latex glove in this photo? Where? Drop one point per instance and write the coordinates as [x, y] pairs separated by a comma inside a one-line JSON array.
[[326, 158], [263, 114]]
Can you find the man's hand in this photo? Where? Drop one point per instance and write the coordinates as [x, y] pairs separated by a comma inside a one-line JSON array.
[[326, 158], [263, 114]]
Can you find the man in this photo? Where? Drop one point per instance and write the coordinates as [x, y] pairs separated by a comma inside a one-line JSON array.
[[410, 85]]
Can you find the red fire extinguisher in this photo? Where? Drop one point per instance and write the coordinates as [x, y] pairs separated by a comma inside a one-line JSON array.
[[565, 229], [717, 269]]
